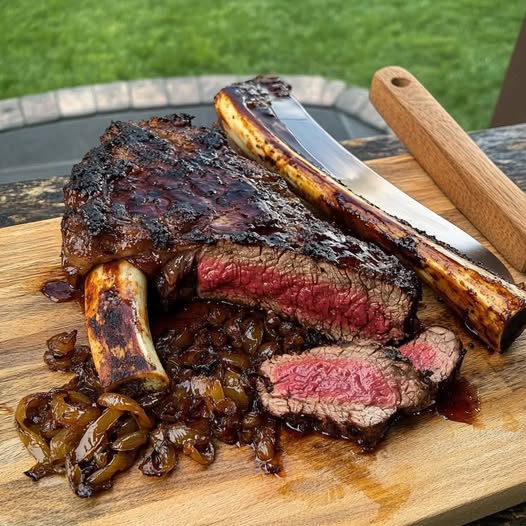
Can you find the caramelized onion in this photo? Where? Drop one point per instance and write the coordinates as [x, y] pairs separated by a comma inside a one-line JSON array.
[[180, 435], [252, 335], [39, 470], [234, 389], [63, 443], [95, 433], [218, 314], [34, 443], [233, 329], [211, 387], [265, 438], [128, 425], [73, 473], [133, 440], [205, 457], [184, 339], [267, 350], [211, 353], [160, 462], [162, 459], [101, 457], [264, 446], [120, 462], [240, 361], [59, 350], [73, 414], [226, 406], [62, 343], [125, 403]]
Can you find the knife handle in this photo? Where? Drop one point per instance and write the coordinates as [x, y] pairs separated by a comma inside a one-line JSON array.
[[491, 201]]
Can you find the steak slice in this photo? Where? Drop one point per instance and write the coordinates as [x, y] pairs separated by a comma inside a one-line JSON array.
[[182, 206], [353, 390], [318, 294], [437, 351]]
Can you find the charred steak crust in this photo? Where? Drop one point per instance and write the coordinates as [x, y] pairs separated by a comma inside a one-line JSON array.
[[156, 189], [353, 391]]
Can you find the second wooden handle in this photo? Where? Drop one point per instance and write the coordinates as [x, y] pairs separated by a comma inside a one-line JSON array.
[[493, 203]]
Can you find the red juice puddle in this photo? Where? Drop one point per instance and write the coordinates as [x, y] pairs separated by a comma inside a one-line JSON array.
[[461, 403]]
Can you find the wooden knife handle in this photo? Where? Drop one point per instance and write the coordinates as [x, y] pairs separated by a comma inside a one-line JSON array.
[[493, 203]]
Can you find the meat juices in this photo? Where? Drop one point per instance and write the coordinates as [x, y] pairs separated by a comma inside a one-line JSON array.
[[178, 203]]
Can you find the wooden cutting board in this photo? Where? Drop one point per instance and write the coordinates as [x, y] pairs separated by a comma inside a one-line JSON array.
[[428, 471]]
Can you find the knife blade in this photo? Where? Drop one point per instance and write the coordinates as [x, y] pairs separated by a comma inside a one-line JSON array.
[[287, 119]]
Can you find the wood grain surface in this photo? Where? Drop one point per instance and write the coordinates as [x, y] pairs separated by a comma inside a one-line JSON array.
[[428, 470], [460, 168]]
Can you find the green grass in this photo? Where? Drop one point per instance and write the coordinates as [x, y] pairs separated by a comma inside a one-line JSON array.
[[459, 49]]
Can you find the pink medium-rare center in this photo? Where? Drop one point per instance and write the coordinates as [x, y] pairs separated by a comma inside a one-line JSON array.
[[304, 296], [341, 380]]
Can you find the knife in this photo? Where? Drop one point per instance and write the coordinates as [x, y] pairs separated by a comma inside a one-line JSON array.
[[482, 192], [287, 119]]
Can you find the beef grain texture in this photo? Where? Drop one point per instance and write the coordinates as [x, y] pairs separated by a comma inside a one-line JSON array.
[[353, 390], [182, 206], [437, 352]]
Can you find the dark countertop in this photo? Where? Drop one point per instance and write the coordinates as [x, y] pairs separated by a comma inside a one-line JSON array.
[[27, 201]]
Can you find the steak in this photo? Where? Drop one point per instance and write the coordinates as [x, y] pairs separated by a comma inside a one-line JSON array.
[[178, 203], [437, 351], [354, 390]]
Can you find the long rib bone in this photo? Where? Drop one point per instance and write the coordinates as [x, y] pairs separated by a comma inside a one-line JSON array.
[[491, 307], [118, 329]]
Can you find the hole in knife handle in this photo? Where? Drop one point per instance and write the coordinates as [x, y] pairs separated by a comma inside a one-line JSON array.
[[400, 82]]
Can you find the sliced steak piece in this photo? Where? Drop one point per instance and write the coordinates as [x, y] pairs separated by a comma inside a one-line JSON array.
[[178, 203], [352, 390], [437, 351], [333, 299]]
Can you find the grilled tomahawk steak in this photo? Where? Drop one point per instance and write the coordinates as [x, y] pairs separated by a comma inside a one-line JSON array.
[[178, 203]]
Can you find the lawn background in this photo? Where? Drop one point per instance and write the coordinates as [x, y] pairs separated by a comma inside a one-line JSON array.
[[458, 48]]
